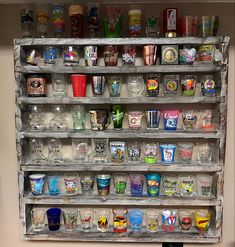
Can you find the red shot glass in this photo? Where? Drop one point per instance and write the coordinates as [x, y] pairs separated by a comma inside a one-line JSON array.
[[79, 85]]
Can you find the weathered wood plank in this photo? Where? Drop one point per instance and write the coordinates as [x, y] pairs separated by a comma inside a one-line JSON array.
[[118, 41], [119, 100], [113, 199], [120, 70], [124, 134], [72, 166], [142, 236]]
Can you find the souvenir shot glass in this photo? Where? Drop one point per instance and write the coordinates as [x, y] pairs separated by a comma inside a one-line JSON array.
[[150, 54], [187, 55], [90, 55], [87, 219], [99, 119], [37, 183], [204, 152], [103, 184], [117, 150], [38, 219], [120, 181], [150, 153], [71, 56], [53, 185], [70, 217], [111, 55], [120, 219], [136, 184], [189, 120], [80, 149], [71, 184], [79, 83], [204, 184], [169, 185], [185, 219], [187, 185], [114, 85], [202, 219], [87, 183], [53, 218], [134, 119], [99, 150], [188, 85], [153, 182], [134, 151], [98, 85], [168, 153], [169, 220], [153, 118], [79, 117], [103, 219], [185, 152], [170, 119], [128, 55], [152, 220], [117, 116], [136, 219]]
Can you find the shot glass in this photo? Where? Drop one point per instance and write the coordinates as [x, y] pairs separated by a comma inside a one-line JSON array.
[[204, 184], [152, 220], [168, 153], [204, 152], [53, 185], [136, 219], [38, 219], [150, 54], [150, 153], [185, 152], [168, 220], [189, 120], [87, 183], [134, 119], [120, 219], [98, 85], [71, 184], [128, 55], [207, 121], [188, 84], [70, 217], [111, 55], [91, 55], [188, 25], [37, 183], [87, 219], [153, 118], [114, 85], [169, 185], [205, 26], [120, 181], [185, 219], [134, 151], [80, 149], [102, 219], [202, 219], [53, 218], [187, 185], [136, 184], [71, 56], [117, 151], [170, 119], [153, 182], [103, 184]]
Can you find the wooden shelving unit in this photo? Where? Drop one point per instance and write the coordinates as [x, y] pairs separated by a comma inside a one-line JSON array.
[[216, 168]]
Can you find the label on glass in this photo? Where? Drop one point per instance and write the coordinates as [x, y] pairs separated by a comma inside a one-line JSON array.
[[117, 152], [152, 87], [50, 55], [42, 17], [171, 85], [169, 55], [119, 223], [36, 86], [206, 53], [171, 19]]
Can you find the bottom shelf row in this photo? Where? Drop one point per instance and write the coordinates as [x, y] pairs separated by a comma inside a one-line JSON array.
[[122, 220]]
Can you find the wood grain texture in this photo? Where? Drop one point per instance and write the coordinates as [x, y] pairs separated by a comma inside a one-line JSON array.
[[72, 166], [117, 41], [124, 134], [112, 200], [119, 69], [118, 100], [141, 237]]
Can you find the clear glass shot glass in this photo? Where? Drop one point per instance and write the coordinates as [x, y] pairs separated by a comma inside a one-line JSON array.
[[38, 217], [70, 217], [204, 184], [103, 219], [120, 181], [71, 184], [134, 151], [87, 183], [152, 220], [87, 219], [185, 219], [204, 152]]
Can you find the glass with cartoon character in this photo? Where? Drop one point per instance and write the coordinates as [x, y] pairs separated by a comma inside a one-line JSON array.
[[102, 219], [120, 219], [71, 184]]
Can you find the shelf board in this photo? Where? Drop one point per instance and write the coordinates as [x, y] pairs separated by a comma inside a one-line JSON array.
[[142, 236], [118, 41], [124, 167], [113, 199], [119, 100], [119, 69], [123, 134]]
